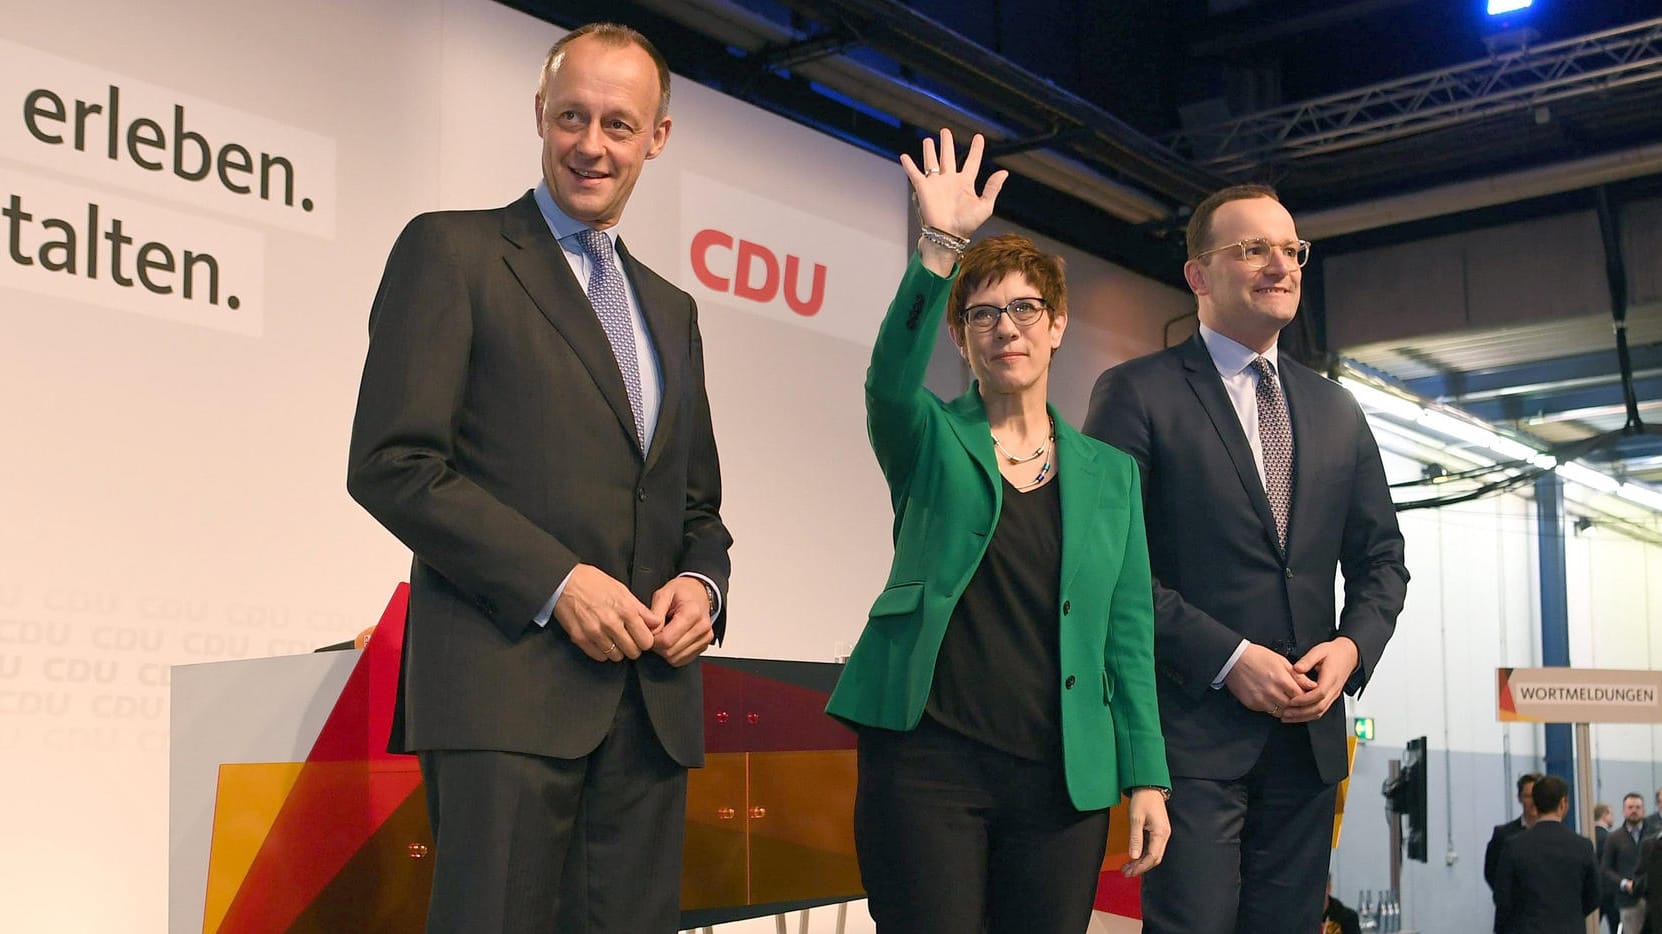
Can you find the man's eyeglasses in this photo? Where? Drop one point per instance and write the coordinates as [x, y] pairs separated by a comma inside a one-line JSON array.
[[1256, 252], [1023, 311]]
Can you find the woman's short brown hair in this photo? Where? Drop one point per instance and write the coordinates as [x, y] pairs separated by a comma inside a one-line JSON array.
[[989, 261]]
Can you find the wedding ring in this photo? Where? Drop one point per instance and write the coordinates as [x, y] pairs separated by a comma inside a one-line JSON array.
[[929, 172], [1275, 710], [611, 647]]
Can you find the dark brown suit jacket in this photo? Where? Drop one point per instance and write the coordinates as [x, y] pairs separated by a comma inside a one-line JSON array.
[[494, 437]]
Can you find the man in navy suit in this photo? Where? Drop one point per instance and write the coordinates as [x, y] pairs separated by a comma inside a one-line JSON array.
[[1504, 832], [533, 424], [1650, 873], [1547, 881], [1261, 481]]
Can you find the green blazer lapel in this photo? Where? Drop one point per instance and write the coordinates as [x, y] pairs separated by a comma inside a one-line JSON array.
[[969, 423], [1081, 474]]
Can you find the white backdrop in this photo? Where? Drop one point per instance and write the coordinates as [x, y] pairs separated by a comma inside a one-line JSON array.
[[174, 488]]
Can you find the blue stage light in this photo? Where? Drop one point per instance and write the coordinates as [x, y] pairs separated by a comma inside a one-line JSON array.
[[1499, 7]]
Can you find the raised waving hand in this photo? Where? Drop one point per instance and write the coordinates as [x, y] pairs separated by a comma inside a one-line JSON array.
[[946, 196]]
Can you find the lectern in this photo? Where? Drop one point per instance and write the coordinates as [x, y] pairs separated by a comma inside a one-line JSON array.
[[289, 815]]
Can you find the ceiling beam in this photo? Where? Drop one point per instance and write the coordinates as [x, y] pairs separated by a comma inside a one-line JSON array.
[[1228, 35], [1481, 193], [1562, 405], [1535, 377]]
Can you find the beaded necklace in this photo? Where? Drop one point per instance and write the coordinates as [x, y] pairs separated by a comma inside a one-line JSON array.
[[1043, 449]]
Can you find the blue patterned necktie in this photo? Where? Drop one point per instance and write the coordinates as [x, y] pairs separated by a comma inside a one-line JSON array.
[[611, 306], [1275, 437]]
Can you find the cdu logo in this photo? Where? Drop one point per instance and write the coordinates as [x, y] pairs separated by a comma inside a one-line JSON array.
[[777, 257], [753, 272]]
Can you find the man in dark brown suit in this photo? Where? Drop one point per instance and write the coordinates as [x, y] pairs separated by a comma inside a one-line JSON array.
[[533, 424]]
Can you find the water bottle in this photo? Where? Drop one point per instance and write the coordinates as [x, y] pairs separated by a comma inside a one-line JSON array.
[[1367, 915]]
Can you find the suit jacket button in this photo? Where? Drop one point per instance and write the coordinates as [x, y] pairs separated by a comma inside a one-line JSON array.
[[1067, 606], [1068, 684], [1289, 573], [641, 494]]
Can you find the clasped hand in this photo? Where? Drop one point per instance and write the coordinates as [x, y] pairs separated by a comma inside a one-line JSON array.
[[602, 617], [1293, 692]]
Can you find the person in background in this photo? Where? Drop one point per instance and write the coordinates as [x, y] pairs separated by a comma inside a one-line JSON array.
[[1547, 879], [1003, 687], [1337, 918], [1620, 862], [1603, 819], [1649, 871], [1504, 832], [1517, 825]]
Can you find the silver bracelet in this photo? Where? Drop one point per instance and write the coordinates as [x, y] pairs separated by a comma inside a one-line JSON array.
[[945, 240]]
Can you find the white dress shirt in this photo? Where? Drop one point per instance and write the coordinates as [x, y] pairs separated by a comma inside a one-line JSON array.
[[1240, 381]]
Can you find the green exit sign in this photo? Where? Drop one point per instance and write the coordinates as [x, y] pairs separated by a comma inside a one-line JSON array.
[[1362, 729]]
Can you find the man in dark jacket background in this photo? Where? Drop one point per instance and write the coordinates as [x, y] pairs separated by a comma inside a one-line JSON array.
[[1547, 880], [1620, 862]]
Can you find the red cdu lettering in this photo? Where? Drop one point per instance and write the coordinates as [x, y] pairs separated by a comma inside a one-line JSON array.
[[816, 295], [749, 253], [756, 273], [701, 244]]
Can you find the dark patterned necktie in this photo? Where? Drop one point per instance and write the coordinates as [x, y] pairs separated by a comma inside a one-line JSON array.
[[611, 306], [1275, 437]]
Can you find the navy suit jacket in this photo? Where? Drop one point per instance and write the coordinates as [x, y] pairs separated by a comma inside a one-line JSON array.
[[1547, 881], [1649, 874], [1220, 574]]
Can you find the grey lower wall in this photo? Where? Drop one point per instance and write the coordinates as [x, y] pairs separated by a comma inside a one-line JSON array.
[[1469, 793]]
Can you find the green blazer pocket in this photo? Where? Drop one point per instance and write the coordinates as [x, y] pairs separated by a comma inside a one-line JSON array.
[[898, 600]]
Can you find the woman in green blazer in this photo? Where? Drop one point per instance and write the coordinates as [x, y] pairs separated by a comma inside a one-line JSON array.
[[1003, 689]]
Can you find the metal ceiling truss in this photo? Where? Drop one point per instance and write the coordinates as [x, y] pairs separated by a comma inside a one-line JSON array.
[[817, 48], [1515, 80], [1050, 114]]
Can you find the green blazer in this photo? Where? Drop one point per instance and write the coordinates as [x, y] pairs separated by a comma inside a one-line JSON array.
[[943, 481]]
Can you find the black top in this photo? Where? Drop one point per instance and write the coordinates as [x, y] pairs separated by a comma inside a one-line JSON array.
[[995, 676], [1340, 919]]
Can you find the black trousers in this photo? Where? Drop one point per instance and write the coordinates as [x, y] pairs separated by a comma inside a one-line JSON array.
[[1248, 856], [528, 843], [956, 837]]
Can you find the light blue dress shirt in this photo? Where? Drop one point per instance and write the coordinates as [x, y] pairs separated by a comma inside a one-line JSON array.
[[566, 230]]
